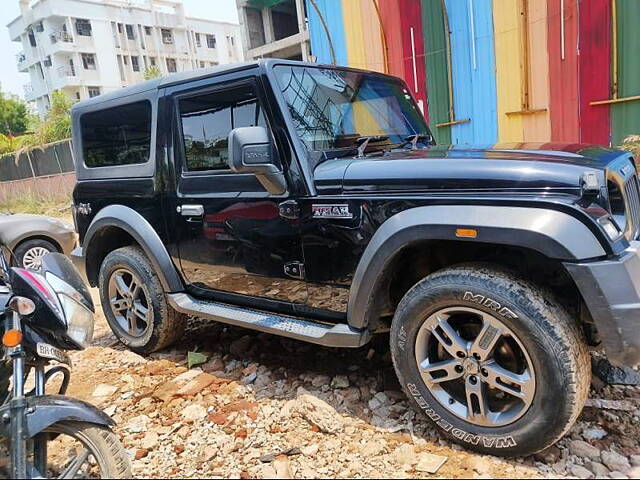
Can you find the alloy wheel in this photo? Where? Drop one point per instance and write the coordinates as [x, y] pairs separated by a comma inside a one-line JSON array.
[[130, 303], [475, 366], [32, 258]]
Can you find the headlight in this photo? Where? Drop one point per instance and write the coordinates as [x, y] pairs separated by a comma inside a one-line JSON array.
[[79, 320]]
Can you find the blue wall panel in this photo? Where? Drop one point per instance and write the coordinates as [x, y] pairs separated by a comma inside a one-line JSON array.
[[473, 71], [332, 13]]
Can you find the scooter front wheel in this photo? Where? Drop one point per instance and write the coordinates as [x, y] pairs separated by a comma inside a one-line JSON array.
[[80, 450]]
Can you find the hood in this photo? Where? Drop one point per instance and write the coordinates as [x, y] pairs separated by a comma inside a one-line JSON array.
[[514, 168]]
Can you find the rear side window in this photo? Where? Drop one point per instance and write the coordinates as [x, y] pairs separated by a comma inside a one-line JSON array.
[[117, 136]]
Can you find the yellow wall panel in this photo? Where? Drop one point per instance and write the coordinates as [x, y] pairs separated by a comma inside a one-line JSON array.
[[506, 21], [372, 36], [537, 126], [356, 52]]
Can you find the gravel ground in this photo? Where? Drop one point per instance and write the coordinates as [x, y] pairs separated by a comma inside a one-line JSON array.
[[266, 407]]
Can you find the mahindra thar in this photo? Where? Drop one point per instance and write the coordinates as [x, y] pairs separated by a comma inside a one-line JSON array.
[[313, 202]]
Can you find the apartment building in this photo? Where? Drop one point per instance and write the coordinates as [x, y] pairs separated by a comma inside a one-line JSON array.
[[274, 29], [89, 47]]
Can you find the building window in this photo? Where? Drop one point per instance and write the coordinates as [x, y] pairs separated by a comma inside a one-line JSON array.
[[39, 27], [198, 40], [117, 136], [211, 41], [147, 30], [152, 61], [93, 91], [47, 61], [172, 66], [32, 39], [202, 64], [231, 41], [83, 27], [119, 28], [207, 121], [135, 63], [39, 65], [167, 36], [89, 61], [131, 34], [77, 95], [125, 59]]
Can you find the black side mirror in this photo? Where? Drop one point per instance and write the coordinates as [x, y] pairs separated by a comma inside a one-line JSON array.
[[251, 151]]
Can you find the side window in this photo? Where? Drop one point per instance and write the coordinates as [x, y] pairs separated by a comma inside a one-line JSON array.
[[207, 121], [117, 136]]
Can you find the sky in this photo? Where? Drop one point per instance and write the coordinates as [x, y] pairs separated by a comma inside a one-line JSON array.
[[12, 81]]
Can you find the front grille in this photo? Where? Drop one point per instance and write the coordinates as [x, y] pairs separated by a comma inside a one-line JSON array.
[[632, 196]]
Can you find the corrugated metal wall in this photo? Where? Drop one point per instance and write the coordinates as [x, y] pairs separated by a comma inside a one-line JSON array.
[[519, 70]]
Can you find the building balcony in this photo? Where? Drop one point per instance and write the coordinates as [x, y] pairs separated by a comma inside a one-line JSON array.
[[66, 71], [21, 60], [61, 36], [29, 92]]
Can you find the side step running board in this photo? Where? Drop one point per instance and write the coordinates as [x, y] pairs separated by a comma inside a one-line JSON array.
[[340, 335]]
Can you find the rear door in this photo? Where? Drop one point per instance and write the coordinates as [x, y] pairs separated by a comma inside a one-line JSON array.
[[233, 243]]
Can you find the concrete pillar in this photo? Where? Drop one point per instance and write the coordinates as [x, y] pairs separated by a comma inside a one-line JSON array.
[[267, 22], [302, 26]]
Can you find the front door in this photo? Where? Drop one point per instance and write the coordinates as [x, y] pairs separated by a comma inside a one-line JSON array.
[[233, 242]]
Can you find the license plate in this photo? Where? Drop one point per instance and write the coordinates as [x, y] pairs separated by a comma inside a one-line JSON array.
[[47, 351]]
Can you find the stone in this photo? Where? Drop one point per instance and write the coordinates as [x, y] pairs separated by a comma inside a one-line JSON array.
[[310, 450], [549, 455], [196, 385], [580, 471], [373, 448], [405, 454], [241, 346], [634, 472], [267, 471], [282, 467], [104, 390], [614, 375], [317, 412], [213, 365], [340, 381], [138, 424], [209, 453], [595, 433], [111, 410], [194, 412], [141, 453], [150, 440], [635, 460], [582, 449], [614, 461], [429, 463], [320, 380], [620, 475], [187, 376], [249, 379], [598, 469]]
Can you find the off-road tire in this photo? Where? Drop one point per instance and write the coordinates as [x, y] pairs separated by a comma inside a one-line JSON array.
[[21, 250], [168, 325], [105, 446], [554, 342]]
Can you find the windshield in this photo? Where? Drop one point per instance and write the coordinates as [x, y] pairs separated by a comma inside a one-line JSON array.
[[334, 109]]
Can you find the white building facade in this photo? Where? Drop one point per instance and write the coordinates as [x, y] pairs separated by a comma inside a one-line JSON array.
[[88, 47]]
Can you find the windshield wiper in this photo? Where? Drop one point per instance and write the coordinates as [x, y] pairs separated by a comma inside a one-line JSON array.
[[363, 142], [415, 139]]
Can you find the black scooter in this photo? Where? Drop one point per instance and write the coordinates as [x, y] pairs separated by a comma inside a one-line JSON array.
[[47, 313]]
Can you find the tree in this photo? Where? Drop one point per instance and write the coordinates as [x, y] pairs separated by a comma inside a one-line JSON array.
[[14, 116], [152, 72]]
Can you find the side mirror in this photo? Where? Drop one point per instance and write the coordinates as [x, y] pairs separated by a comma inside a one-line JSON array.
[[251, 151]]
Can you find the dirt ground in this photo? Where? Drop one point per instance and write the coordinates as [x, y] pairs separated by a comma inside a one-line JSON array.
[[266, 407]]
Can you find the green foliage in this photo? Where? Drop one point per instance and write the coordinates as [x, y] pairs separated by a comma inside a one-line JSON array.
[[14, 116], [152, 72], [195, 358], [632, 144]]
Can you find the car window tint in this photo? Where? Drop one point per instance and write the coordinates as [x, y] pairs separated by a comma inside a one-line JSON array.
[[207, 121], [117, 136]]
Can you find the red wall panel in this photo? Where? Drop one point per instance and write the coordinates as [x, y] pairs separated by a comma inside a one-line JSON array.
[[595, 70], [563, 70]]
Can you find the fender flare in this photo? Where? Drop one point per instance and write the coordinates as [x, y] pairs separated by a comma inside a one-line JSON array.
[[44, 411], [554, 234], [144, 234]]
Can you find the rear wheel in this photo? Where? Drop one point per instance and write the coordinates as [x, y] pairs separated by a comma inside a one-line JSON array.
[[494, 361], [134, 303]]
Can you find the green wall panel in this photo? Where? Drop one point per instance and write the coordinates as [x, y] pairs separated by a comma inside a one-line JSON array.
[[435, 47], [625, 117]]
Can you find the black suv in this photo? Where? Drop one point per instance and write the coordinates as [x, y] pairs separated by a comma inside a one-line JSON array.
[[311, 202]]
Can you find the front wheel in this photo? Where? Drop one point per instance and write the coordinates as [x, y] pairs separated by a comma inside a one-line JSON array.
[[495, 362], [80, 450]]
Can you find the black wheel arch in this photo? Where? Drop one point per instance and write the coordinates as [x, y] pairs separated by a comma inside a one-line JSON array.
[[552, 234], [116, 226]]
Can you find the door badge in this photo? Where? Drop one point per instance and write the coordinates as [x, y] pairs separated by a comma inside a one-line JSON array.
[[331, 211]]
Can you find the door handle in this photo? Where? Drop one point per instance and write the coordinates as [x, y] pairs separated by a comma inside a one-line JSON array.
[[191, 210]]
